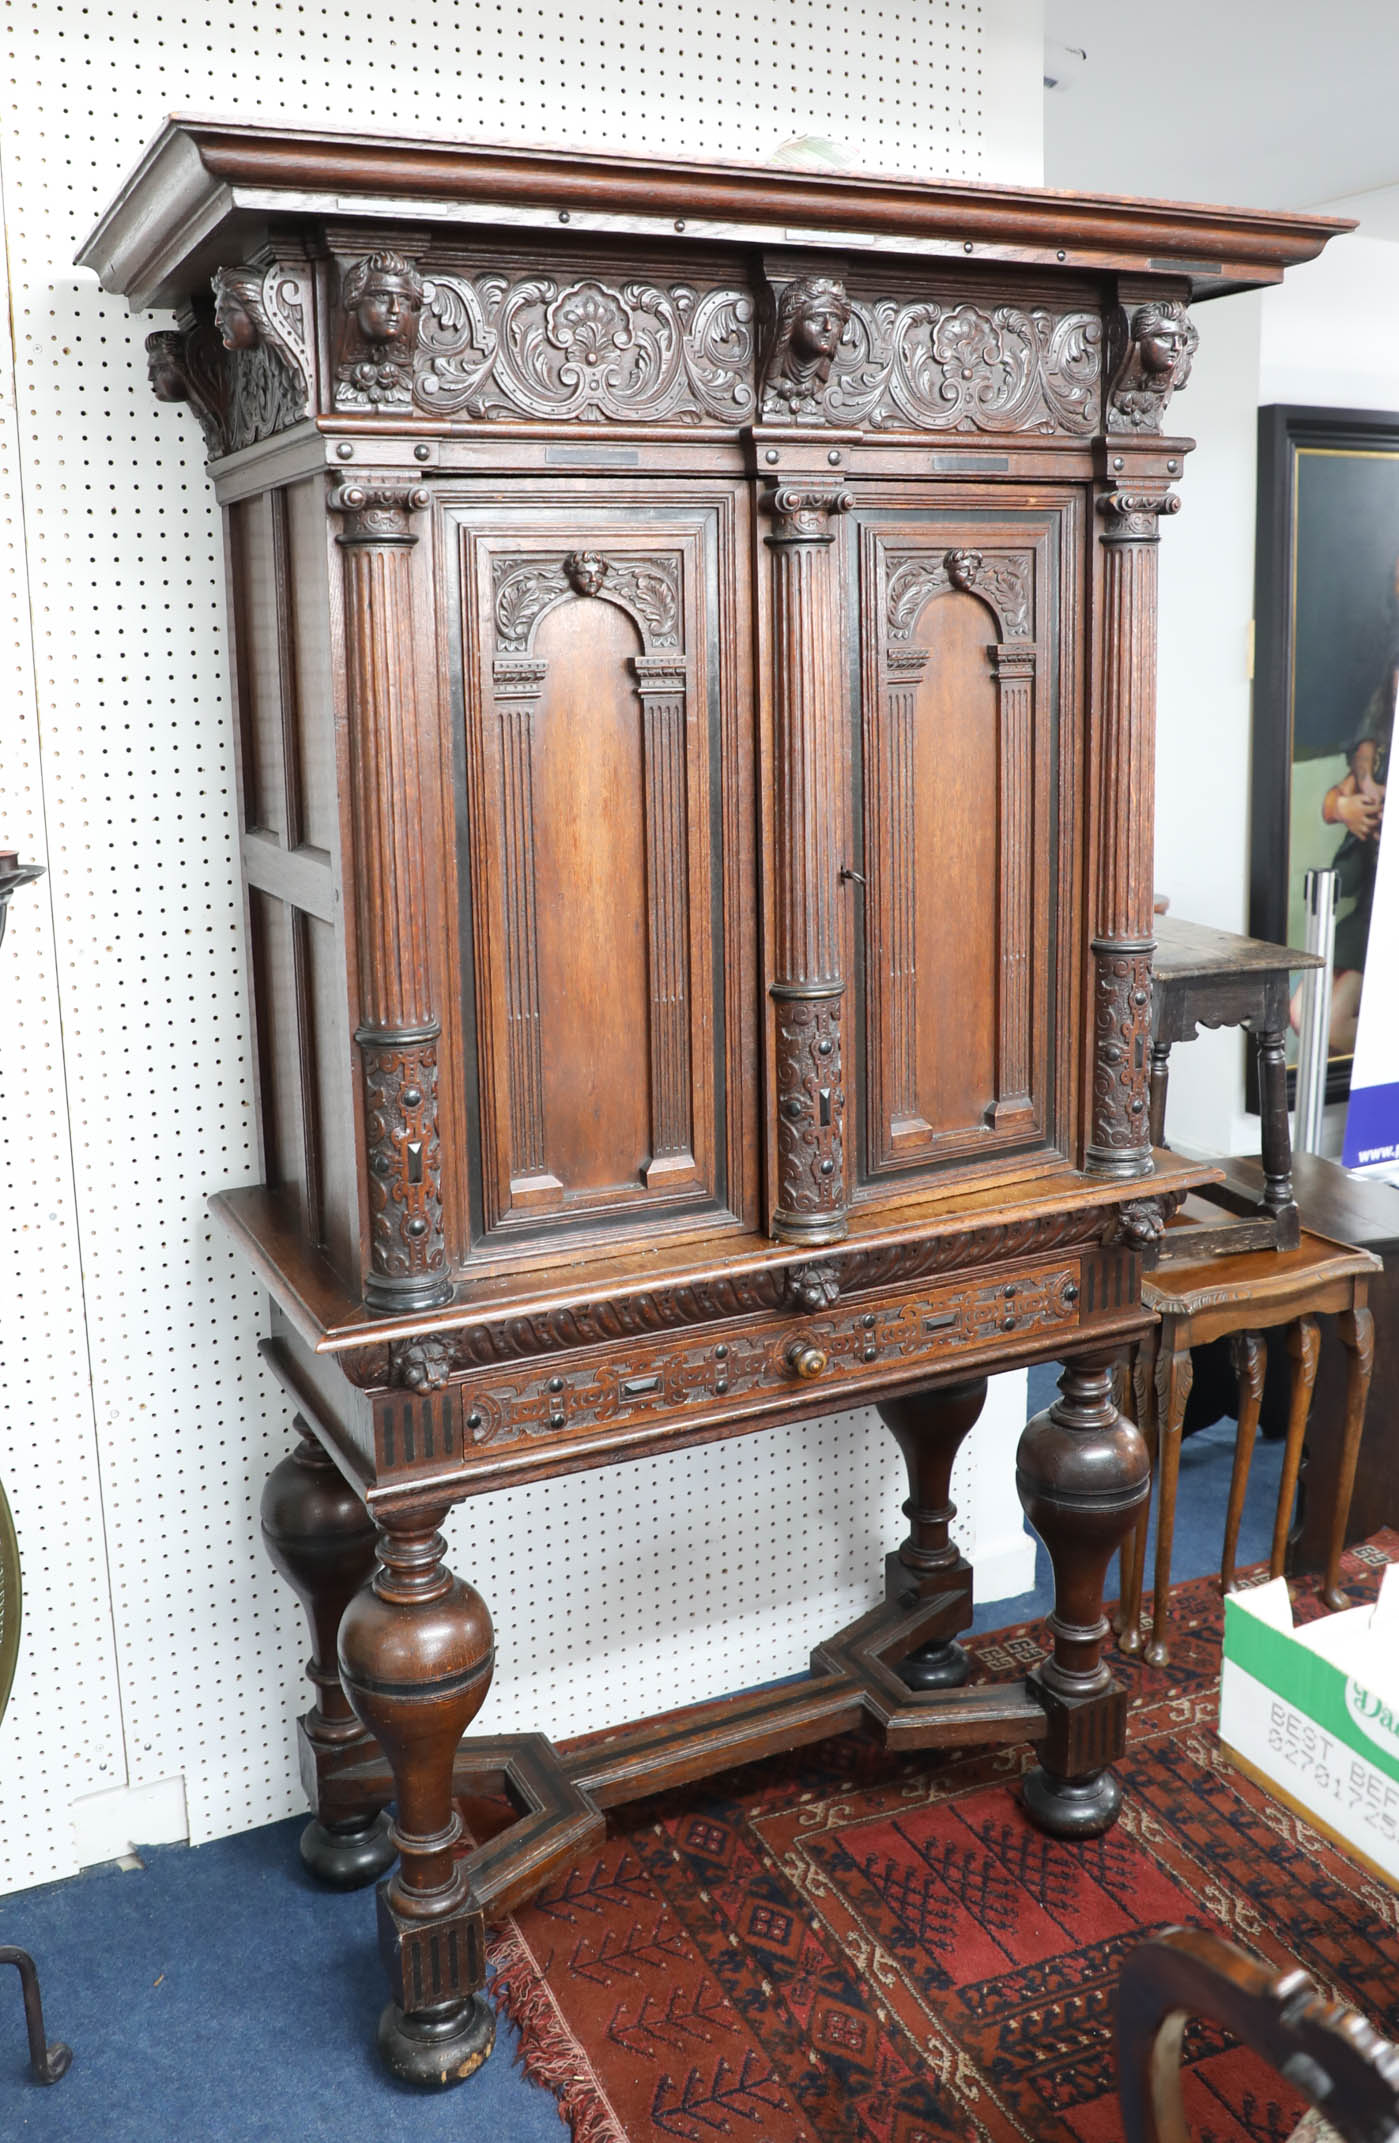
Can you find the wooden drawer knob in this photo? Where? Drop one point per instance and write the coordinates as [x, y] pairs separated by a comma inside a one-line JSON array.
[[804, 1360]]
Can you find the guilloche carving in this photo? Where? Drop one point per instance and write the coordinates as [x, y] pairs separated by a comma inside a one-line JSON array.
[[1150, 357], [381, 302]]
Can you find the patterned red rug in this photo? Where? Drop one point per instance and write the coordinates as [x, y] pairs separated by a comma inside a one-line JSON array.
[[837, 1945]]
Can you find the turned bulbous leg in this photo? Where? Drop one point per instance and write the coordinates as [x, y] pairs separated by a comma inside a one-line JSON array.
[[321, 1539], [929, 1428], [416, 1659], [1083, 1475]]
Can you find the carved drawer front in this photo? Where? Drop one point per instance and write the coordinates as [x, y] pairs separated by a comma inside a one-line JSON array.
[[967, 1052], [601, 759], [745, 1366]]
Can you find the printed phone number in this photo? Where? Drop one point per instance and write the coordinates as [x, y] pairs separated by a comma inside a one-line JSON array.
[[1333, 1772]]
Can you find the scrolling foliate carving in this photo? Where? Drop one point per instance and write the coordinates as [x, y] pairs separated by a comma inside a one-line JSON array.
[[645, 585], [1121, 1048], [261, 311], [1149, 356], [1003, 579], [810, 1111], [381, 302], [922, 366], [493, 346], [405, 1158]]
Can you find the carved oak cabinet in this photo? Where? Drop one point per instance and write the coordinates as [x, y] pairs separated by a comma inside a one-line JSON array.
[[693, 646]]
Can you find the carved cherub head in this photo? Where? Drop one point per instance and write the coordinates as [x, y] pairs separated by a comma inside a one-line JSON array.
[[238, 313], [811, 317], [384, 292], [1166, 338]]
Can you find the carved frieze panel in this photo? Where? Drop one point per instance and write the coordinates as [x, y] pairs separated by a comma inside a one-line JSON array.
[[1003, 579], [646, 586], [889, 364], [596, 349], [657, 1380], [424, 1364]]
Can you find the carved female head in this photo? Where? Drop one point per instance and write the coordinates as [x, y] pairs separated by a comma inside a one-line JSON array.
[[1166, 337], [385, 293], [811, 317], [238, 307]]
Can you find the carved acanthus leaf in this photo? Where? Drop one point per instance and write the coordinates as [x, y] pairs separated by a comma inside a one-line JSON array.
[[924, 366], [262, 311], [646, 585], [1003, 579], [594, 350]]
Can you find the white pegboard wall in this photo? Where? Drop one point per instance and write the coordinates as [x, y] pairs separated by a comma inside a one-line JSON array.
[[158, 1643]]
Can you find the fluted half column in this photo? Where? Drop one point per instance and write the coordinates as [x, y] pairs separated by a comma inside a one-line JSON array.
[[399, 1027], [1120, 1139], [809, 984]]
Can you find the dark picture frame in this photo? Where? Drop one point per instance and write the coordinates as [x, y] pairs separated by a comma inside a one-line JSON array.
[[1326, 615]]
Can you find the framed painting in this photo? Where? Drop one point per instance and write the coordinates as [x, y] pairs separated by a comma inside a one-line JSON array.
[[1326, 664]]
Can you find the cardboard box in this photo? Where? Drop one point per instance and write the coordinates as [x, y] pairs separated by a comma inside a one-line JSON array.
[[1312, 1714]]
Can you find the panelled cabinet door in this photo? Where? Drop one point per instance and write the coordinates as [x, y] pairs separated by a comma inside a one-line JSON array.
[[966, 748], [600, 888]]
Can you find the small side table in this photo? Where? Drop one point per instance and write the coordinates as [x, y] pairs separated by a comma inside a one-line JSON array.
[[1240, 1299], [1214, 978]]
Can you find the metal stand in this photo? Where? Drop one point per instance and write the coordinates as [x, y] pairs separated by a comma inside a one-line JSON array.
[[1313, 1028], [48, 2062]]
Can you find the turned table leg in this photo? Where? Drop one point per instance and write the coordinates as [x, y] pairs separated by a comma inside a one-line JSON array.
[[1304, 1351], [1249, 1354], [1082, 1474], [1174, 1376], [416, 1659], [321, 1539], [1132, 1562], [929, 1428], [1357, 1330]]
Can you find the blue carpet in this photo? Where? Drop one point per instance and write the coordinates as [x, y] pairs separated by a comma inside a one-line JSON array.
[[217, 1993]]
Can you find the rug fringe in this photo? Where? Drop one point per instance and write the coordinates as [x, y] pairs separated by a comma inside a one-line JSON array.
[[547, 2051]]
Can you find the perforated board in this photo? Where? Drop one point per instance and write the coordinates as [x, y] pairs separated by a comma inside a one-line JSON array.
[[158, 1643]]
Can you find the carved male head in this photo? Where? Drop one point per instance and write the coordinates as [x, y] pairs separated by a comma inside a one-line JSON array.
[[385, 294]]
